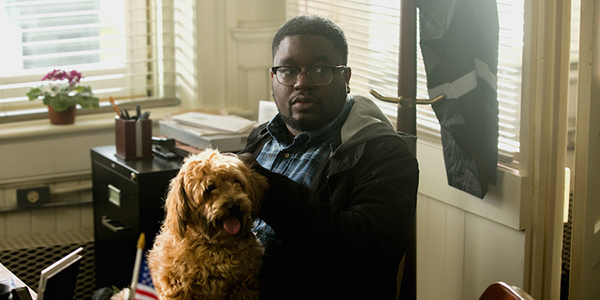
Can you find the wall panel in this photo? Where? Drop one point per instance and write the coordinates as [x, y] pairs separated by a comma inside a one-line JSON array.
[[459, 254], [440, 245], [493, 252], [43, 220]]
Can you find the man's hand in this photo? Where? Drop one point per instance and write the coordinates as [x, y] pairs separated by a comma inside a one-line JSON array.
[[249, 160]]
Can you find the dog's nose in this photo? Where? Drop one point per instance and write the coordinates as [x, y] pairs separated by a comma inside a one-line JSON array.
[[233, 208]]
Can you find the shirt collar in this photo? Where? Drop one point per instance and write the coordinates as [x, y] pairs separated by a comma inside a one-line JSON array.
[[279, 132]]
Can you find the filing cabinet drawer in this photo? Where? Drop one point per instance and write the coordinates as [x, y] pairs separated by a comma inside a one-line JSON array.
[[128, 200]]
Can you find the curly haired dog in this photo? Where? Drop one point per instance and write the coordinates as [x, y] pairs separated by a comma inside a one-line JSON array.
[[205, 249]]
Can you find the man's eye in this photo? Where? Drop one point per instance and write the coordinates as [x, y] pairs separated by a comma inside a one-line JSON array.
[[319, 70], [288, 72]]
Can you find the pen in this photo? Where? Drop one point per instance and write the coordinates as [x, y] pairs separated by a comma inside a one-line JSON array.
[[143, 116], [114, 106]]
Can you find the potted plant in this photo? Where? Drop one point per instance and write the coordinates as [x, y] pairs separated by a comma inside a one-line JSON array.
[[61, 94]]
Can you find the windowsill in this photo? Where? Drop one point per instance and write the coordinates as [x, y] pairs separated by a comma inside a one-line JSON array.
[[502, 203], [506, 162], [85, 123]]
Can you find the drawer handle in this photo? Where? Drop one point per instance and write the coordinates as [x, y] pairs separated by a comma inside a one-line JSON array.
[[108, 223]]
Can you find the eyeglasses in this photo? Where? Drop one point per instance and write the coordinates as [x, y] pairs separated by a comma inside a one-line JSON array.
[[317, 75]]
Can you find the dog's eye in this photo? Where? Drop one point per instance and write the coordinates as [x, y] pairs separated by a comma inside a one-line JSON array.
[[210, 188]]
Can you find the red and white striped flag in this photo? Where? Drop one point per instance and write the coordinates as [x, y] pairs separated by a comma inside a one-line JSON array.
[[145, 288]]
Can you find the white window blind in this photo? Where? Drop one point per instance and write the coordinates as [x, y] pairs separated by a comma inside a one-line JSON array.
[[117, 45], [372, 31], [575, 17]]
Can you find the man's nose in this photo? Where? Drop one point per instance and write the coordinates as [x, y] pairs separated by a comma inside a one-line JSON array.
[[303, 82]]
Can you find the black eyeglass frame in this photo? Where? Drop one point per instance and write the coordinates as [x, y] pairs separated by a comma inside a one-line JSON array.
[[333, 69]]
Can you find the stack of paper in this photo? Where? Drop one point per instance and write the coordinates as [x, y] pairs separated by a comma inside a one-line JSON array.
[[196, 138], [201, 130], [215, 124]]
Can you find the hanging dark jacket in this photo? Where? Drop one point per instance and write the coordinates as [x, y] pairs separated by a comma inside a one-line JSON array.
[[342, 237], [459, 43]]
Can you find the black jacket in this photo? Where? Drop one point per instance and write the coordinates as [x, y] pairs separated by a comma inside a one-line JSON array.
[[343, 237]]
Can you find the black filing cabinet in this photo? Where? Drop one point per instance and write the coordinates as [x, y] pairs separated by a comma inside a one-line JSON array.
[[128, 200]]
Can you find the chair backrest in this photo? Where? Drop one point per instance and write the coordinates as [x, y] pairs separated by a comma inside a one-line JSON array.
[[503, 291]]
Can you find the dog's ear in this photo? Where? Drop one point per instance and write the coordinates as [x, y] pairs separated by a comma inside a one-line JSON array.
[[178, 209], [258, 187]]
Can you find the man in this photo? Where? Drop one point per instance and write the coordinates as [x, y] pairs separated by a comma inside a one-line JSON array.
[[342, 182]]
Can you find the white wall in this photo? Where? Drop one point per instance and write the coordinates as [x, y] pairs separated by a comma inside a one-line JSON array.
[[37, 153], [465, 243]]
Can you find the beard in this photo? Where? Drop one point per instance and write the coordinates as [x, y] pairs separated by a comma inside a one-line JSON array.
[[294, 123], [312, 120]]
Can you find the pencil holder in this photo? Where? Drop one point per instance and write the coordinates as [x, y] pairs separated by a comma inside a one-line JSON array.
[[133, 138]]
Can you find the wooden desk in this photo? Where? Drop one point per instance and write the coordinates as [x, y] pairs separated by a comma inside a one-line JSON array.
[[8, 278]]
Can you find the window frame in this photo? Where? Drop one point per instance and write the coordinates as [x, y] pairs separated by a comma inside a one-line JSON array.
[[142, 80], [427, 123]]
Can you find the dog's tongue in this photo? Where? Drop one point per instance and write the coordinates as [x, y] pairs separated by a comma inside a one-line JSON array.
[[231, 224]]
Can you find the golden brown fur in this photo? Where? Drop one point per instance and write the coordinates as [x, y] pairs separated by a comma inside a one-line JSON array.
[[194, 256]]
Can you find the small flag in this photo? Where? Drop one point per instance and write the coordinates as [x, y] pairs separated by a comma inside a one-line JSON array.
[[145, 288]]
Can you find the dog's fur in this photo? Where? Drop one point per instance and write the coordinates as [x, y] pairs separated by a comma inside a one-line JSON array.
[[200, 253]]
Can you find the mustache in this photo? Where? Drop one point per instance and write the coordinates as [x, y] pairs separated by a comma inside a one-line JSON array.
[[304, 98]]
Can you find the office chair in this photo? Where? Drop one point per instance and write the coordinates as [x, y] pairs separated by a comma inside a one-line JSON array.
[[503, 291]]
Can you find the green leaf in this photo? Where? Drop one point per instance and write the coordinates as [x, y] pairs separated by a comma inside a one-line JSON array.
[[58, 104], [34, 93], [88, 102], [83, 96]]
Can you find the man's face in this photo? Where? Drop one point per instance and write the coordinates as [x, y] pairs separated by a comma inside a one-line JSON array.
[[305, 106]]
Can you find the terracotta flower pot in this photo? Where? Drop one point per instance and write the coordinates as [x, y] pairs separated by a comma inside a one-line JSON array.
[[64, 117]]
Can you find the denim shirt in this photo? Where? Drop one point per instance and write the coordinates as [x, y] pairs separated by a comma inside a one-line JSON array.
[[298, 160]]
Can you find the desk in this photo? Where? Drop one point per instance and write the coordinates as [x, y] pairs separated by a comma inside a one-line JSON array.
[[8, 278]]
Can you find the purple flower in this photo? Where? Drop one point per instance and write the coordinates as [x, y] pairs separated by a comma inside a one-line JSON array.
[[63, 90], [51, 75], [73, 77]]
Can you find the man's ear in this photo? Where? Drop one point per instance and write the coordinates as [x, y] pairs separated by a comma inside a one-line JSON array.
[[347, 75]]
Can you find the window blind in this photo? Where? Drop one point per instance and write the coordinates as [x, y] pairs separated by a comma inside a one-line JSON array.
[[575, 17], [372, 31], [118, 46]]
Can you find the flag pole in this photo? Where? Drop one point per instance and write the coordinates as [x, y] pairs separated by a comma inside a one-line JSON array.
[[136, 268]]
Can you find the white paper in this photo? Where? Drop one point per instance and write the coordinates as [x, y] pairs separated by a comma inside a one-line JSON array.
[[266, 111], [197, 130], [224, 124]]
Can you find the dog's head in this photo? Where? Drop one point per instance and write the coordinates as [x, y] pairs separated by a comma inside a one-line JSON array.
[[215, 195]]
